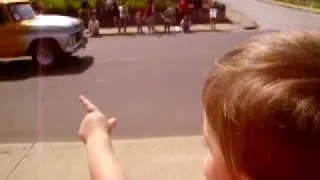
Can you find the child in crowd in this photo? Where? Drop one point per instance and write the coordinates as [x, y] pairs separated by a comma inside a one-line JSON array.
[[261, 114], [94, 25], [139, 21], [185, 24], [124, 15]]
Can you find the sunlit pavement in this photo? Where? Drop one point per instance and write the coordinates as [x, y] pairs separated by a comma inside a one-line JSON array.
[[143, 159]]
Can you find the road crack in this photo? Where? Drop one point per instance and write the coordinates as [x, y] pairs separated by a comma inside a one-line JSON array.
[[19, 160]]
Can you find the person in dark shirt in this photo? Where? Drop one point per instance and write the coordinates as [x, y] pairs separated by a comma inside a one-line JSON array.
[[167, 19], [84, 13], [197, 10], [115, 14], [149, 16]]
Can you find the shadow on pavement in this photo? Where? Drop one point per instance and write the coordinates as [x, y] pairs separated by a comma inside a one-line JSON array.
[[20, 70]]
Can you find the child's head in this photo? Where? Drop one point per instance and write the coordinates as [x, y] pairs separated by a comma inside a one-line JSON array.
[[262, 110]]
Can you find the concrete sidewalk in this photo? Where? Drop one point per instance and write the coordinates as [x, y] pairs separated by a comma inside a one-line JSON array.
[[174, 29], [177, 158]]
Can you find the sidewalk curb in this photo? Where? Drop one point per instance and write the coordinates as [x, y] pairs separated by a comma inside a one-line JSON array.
[[195, 29], [241, 19], [158, 158], [292, 6]]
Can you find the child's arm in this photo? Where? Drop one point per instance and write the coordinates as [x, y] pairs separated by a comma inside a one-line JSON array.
[[102, 161], [95, 132]]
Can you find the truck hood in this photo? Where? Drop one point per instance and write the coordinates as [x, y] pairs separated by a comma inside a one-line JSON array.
[[53, 22]]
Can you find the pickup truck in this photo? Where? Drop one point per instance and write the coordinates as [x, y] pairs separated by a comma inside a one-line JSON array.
[[43, 37]]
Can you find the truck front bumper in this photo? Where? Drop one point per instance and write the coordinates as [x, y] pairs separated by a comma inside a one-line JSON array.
[[82, 44]]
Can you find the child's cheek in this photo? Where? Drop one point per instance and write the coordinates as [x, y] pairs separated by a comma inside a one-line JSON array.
[[208, 167]]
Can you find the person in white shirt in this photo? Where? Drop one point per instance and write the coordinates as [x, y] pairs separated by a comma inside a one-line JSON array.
[[123, 14], [213, 15], [94, 26]]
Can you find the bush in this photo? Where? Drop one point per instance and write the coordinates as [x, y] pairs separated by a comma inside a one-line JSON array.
[[63, 5], [140, 4], [74, 5]]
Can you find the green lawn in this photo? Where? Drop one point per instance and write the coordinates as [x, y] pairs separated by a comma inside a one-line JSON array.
[[307, 3]]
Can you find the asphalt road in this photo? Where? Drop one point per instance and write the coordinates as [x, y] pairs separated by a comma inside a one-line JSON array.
[[273, 17], [151, 84]]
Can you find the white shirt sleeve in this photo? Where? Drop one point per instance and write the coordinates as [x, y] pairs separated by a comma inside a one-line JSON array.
[[90, 26], [98, 24]]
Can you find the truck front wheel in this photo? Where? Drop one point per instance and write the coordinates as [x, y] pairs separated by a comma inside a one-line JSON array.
[[45, 52]]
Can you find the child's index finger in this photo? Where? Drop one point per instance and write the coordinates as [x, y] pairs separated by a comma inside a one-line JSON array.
[[88, 106]]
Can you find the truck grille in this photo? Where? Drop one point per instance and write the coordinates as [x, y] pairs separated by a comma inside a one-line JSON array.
[[78, 36]]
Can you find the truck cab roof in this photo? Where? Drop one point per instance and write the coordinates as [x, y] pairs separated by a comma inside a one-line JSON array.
[[13, 1]]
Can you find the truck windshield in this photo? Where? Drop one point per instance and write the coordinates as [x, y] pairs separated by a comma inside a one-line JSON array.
[[22, 12]]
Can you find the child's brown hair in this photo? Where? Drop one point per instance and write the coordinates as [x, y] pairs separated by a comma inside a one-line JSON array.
[[262, 102]]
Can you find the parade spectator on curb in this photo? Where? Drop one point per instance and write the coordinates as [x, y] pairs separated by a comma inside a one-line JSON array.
[[139, 22], [197, 10], [100, 9], [167, 20], [183, 9], [261, 114], [186, 24], [94, 25], [213, 15], [115, 14], [84, 13], [149, 16], [124, 16]]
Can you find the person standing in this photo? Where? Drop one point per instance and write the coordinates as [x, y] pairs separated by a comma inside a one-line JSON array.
[[213, 15], [124, 15], [167, 17], [100, 9], [197, 10], [84, 12], [115, 14], [183, 9], [139, 21], [149, 16]]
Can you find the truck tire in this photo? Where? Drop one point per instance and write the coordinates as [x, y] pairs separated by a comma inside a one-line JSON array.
[[45, 52]]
